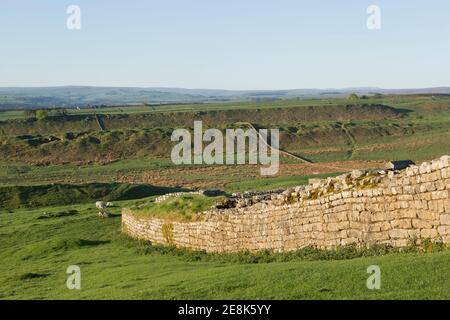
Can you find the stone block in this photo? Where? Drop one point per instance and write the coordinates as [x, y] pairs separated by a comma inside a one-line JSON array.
[[398, 234], [428, 233], [424, 224], [401, 224], [445, 219]]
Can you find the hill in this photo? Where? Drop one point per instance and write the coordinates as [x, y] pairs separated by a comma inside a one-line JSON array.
[[72, 96]]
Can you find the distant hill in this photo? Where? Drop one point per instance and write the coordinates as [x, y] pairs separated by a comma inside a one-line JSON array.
[[72, 96]]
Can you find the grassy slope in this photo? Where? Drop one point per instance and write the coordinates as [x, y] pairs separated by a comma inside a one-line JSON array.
[[16, 173], [421, 134], [184, 208], [273, 183], [408, 102], [63, 194], [35, 253], [143, 109]]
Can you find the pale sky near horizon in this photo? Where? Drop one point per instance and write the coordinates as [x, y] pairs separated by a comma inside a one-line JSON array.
[[229, 44]]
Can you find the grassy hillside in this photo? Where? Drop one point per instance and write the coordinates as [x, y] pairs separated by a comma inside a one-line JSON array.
[[53, 170], [36, 251], [320, 133], [135, 145], [321, 130], [29, 97], [13, 197], [284, 114], [184, 208]]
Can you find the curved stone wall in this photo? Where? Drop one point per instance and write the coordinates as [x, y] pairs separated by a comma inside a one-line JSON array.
[[392, 208]]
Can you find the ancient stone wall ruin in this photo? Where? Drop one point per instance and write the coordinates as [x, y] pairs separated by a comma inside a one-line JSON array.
[[362, 208]]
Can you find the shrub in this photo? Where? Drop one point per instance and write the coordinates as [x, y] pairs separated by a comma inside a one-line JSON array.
[[353, 97], [41, 114]]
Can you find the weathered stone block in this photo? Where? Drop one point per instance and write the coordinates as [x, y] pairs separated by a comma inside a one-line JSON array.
[[404, 213], [439, 195], [444, 230], [338, 226], [398, 233], [400, 242], [401, 224], [376, 237], [379, 226], [424, 224], [445, 219], [428, 233], [445, 161]]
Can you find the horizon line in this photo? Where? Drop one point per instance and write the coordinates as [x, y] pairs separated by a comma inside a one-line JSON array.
[[222, 89]]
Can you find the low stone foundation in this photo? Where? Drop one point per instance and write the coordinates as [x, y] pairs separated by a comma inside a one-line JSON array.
[[362, 208], [176, 195]]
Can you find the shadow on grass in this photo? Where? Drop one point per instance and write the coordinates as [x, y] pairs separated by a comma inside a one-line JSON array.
[[32, 276], [91, 243]]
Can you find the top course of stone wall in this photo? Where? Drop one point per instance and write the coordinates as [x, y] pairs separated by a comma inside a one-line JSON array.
[[364, 208]]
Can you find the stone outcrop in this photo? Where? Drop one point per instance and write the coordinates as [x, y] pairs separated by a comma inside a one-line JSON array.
[[363, 208], [176, 195], [206, 193]]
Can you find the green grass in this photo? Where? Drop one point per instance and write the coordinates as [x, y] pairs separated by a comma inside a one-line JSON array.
[[61, 194], [17, 173], [35, 254], [136, 133], [38, 244], [182, 208], [273, 183], [195, 107], [408, 102]]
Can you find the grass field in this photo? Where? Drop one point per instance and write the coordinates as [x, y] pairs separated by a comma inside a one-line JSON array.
[[52, 171], [145, 109], [408, 102], [35, 253], [184, 208]]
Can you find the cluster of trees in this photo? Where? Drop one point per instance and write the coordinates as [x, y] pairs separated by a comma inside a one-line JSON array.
[[353, 97], [42, 114]]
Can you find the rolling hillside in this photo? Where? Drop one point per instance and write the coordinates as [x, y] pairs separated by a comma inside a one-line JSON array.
[[71, 96]]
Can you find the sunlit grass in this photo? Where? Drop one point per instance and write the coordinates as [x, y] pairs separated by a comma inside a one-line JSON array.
[[35, 254], [183, 208]]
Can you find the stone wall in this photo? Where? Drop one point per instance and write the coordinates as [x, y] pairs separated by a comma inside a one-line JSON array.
[[176, 195], [363, 208], [206, 193]]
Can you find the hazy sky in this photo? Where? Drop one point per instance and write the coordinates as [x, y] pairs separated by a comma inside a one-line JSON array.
[[230, 44]]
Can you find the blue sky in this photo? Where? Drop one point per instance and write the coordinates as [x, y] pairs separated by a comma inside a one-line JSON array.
[[229, 44]]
